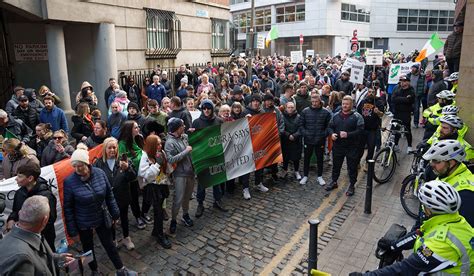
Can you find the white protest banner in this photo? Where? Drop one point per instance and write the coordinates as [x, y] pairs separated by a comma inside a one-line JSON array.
[[374, 56], [357, 72], [347, 64], [260, 42], [399, 69], [296, 56], [309, 53]]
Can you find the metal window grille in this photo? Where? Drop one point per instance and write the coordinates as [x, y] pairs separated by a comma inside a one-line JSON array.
[[163, 33]]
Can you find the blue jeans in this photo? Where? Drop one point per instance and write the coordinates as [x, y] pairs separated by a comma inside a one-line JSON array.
[[201, 193]]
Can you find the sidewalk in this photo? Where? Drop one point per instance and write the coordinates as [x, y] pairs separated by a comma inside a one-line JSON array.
[[353, 245]]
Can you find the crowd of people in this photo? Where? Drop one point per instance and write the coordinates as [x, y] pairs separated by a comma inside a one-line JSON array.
[[145, 137]]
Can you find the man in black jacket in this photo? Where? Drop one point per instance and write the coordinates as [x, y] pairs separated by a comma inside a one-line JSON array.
[[208, 118], [313, 125], [179, 111], [26, 113], [11, 126], [403, 98], [31, 184], [183, 71], [343, 84], [345, 127]]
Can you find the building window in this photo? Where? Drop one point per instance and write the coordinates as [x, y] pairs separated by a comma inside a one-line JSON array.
[[232, 2], [350, 12], [291, 13], [163, 33], [263, 20], [223, 37], [366, 44], [425, 20]]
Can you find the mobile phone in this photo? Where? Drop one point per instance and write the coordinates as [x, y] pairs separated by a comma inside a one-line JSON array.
[[124, 157]]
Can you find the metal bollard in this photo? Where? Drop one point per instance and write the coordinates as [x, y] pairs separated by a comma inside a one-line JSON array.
[[368, 190], [313, 245]]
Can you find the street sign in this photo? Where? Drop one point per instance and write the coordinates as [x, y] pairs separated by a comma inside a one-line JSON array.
[[260, 42], [374, 56], [296, 56], [301, 39]]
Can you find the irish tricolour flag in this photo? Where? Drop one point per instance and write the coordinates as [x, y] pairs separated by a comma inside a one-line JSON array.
[[431, 47], [232, 149]]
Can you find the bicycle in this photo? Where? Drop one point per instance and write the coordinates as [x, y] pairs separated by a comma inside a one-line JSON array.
[[411, 184], [386, 158]]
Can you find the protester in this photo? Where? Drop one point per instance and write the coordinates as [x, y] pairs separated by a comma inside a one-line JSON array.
[[120, 173], [131, 144], [181, 112], [98, 136], [44, 91], [452, 47], [313, 126], [11, 127], [115, 120], [53, 115], [83, 123], [302, 98], [153, 179], [345, 128], [291, 140], [23, 252], [16, 154], [403, 98], [109, 91], [41, 139], [156, 91], [178, 152], [88, 200], [26, 113], [13, 103], [417, 81], [31, 184], [58, 149]]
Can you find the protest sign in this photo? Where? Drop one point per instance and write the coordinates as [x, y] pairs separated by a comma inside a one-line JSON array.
[[357, 72], [226, 151]]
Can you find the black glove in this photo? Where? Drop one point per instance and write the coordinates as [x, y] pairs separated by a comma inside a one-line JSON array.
[[355, 274], [384, 244]]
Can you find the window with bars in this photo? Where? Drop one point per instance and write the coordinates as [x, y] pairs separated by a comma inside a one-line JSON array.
[[414, 20], [350, 12], [291, 13], [163, 33]]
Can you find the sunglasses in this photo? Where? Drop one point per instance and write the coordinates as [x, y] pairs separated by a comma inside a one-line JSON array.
[[24, 100], [206, 108], [58, 138]]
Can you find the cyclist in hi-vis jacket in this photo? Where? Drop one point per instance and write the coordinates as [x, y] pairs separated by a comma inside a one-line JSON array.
[[444, 244]]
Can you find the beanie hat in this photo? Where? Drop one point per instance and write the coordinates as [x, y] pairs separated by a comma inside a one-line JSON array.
[[132, 105], [174, 123], [120, 94], [268, 97], [185, 80], [208, 103], [81, 154], [237, 90]]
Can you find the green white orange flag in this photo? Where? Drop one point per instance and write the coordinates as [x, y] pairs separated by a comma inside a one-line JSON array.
[[272, 35], [226, 151], [431, 47]]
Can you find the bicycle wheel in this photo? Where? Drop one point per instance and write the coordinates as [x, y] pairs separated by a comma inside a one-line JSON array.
[[410, 202], [385, 164]]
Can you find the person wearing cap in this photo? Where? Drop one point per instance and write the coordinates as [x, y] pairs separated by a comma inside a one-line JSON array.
[[207, 118], [343, 84], [452, 47], [134, 114], [86, 192], [236, 96], [178, 152], [13, 103], [403, 98], [181, 91], [166, 82], [26, 113], [417, 81], [443, 243]]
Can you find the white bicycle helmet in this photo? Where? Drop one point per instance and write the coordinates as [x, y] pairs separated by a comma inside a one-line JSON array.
[[450, 110], [452, 120], [454, 76], [446, 94], [445, 150], [440, 197]]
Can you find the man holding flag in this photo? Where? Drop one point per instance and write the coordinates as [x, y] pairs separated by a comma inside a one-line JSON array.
[[14, 128]]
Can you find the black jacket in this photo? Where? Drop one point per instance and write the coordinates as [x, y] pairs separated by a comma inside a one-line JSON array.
[[248, 110], [345, 86], [120, 180], [81, 128], [29, 116], [179, 76], [204, 121], [139, 119], [313, 125], [184, 115], [403, 100], [437, 86], [41, 188], [353, 124], [93, 141], [17, 128], [50, 155]]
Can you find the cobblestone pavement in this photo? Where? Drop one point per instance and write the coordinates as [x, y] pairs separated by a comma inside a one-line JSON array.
[[268, 234]]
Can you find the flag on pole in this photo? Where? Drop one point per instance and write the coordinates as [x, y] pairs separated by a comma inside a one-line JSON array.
[[9, 134], [431, 47], [226, 151], [272, 35]]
